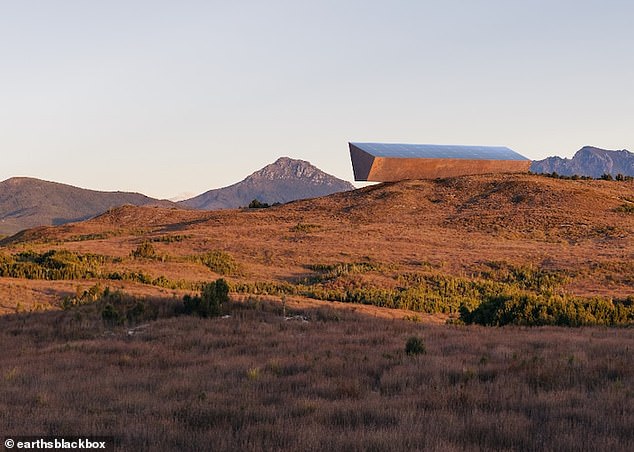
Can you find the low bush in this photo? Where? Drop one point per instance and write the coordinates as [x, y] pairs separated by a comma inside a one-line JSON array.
[[145, 250], [219, 262], [415, 346], [209, 302], [257, 204]]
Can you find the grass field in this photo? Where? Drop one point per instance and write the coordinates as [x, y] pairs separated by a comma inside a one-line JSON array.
[[323, 379]]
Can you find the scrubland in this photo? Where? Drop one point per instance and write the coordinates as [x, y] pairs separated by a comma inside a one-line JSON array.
[[326, 294], [318, 379]]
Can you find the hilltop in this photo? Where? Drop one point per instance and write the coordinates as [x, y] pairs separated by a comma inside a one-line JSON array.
[[588, 161], [282, 181], [27, 202]]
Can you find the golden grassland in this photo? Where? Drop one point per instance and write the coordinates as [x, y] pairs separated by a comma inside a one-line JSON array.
[[453, 228]]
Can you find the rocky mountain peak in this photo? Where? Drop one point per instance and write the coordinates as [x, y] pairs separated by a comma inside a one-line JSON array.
[[284, 180], [288, 168], [589, 161]]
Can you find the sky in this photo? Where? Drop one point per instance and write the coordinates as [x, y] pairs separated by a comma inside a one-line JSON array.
[[174, 97]]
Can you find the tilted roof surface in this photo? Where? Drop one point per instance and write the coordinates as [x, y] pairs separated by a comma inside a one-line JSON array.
[[439, 151]]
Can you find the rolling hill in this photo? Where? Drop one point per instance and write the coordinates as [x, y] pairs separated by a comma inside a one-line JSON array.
[[588, 161], [282, 181], [28, 202], [582, 230]]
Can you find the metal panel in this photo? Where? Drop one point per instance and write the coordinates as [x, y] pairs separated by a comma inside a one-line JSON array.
[[438, 151]]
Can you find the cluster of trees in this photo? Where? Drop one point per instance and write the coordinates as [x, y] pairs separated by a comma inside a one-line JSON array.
[[257, 204], [521, 295], [534, 310], [68, 265], [619, 177], [114, 307], [51, 265]]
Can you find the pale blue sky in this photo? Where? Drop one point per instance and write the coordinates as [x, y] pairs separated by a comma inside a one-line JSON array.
[[164, 97]]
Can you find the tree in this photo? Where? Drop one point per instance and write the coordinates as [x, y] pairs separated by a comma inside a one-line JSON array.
[[210, 301], [257, 204]]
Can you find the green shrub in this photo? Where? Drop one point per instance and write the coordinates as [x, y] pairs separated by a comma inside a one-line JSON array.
[[256, 204], [209, 302], [415, 346], [51, 265], [90, 295], [136, 312], [145, 250], [219, 262], [535, 310], [110, 315]]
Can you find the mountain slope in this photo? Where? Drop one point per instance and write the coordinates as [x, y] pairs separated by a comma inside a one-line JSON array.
[[26, 202], [282, 181], [588, 161]]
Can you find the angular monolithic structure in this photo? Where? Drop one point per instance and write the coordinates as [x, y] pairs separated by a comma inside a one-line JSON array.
[[383, 162]]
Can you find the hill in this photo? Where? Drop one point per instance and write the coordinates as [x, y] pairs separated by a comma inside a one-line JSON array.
[[27, 202], [366, 244], [588, 161], [282, 181]]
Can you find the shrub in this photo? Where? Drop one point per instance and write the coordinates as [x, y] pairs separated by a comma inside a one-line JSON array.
[[218, 261], [625, 208], [415, 346], [51, 265], [136, 312], [304, 227], [209, 302], [144, 250], [257, 204], [110, 315], [535, 310], [90, 295]]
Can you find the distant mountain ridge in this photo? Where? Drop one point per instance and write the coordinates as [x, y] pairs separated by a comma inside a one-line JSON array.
[[588, 161], [27, 202], [284, 180]]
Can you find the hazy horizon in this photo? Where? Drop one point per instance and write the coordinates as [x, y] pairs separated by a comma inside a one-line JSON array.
[[168, 98]]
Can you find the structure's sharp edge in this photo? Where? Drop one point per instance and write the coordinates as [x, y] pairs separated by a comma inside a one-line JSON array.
[[361, 163]]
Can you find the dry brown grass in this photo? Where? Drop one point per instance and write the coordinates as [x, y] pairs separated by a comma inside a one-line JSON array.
[[339, 381]]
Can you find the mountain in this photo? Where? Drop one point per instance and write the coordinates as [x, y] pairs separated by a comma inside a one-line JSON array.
[[588, 161], [26, 202], [282, 181]]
